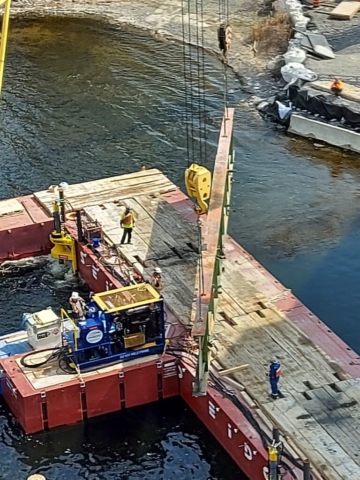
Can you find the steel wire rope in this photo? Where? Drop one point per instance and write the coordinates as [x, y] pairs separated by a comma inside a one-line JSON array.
[[203, 79], [185, 84], [191, 82], [198, 47]]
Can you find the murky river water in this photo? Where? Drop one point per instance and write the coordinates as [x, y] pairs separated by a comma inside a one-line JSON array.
[[81, 102]]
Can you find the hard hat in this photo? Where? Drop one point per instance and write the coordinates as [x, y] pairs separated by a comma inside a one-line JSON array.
[[274, 360], [74, 295], [157, 270]]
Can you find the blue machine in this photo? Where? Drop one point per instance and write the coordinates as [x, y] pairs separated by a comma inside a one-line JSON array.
[[120, 325]]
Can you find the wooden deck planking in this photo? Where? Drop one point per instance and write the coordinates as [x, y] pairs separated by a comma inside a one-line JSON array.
[[110, 189], [335, 417], [170, 220], [320, 447], [264, 332], [157, 245]]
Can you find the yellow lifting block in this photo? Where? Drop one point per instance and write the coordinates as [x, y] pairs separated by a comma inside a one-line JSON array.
[[198, 185], [64, 248]]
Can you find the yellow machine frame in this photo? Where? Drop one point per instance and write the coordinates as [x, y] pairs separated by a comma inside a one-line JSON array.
[[198, 185], [64, 248], [3, 38], [64, 244], [98, 298]]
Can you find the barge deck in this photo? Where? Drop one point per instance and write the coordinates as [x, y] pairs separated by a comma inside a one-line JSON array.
[[318, 413]]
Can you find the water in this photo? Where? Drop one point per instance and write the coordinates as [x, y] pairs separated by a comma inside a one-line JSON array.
[[82, 102]]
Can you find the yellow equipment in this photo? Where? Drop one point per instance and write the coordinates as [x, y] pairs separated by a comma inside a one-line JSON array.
[[3, 38], [64, 248], [198, 185], [64, 244], [273, 473]]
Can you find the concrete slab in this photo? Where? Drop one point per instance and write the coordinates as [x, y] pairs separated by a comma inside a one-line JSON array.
[[345, 10], [330, 134]]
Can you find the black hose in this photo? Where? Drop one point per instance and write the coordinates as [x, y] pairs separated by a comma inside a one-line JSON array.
[[56, 352]]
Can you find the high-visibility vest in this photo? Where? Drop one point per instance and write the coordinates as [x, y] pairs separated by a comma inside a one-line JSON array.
[[127, 220]]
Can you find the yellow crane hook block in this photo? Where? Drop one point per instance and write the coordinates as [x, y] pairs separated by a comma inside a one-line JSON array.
[[198, 185]]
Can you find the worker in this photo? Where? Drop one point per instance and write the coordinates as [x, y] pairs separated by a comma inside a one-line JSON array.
[[156, 280], [337, 87], [127, 222], [274, 376], [78, 306]]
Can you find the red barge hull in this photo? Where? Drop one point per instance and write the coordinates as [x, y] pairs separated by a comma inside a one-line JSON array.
[[153, 379]]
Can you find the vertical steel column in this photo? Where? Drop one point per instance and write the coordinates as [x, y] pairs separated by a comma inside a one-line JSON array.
[[214, 228], [3, 39]]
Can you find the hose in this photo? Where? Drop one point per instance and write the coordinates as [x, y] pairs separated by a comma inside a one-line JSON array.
[[57, 353]]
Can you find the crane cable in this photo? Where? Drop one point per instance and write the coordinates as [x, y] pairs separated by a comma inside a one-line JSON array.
[[195, 103], [194, 80], [224, 38]]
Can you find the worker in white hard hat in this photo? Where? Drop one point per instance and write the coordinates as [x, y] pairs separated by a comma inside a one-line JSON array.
[[77, 304], [156, 280]]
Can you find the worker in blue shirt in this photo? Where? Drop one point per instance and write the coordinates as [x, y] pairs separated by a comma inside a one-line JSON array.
[[274, 376]]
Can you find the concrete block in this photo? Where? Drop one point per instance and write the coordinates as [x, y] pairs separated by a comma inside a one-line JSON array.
[[330, 134]]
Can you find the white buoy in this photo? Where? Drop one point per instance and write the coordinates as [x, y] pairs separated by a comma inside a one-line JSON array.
[[36, 476]]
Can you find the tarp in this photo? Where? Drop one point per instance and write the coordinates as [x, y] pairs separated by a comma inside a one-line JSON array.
[[326, 105]]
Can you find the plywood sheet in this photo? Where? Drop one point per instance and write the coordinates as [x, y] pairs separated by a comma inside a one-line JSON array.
[[148, 182], [345, 10], [350, 92], [10, 207]]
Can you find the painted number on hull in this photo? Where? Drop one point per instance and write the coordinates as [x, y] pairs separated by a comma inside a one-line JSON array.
[[248, 452], [266, 473], [94, 272], [212, 410]]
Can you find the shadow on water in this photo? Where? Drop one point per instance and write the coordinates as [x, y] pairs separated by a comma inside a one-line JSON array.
[[158, 441]]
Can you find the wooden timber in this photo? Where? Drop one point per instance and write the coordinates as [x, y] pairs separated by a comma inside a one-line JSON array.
[[145, 182], [212, 224], [319, 411], [10, 207]]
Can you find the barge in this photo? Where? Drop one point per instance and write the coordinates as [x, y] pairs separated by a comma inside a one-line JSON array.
[[314, 424]]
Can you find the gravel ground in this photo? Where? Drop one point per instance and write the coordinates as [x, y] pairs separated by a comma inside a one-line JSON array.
[[344, 37]]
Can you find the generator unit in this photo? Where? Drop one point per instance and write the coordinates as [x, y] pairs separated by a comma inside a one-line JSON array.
[[43, 329], [119, 325]]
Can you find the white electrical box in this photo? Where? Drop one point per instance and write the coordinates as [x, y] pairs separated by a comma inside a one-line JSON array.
[[43, 329]]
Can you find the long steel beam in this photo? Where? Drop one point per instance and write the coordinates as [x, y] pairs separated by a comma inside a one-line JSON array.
[[213, 228]]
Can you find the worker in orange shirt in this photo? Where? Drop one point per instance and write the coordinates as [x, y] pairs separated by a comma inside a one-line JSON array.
[[337, 87], [127, 222]]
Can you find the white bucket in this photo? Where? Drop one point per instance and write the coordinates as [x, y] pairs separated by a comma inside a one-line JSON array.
[[295, 55]]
